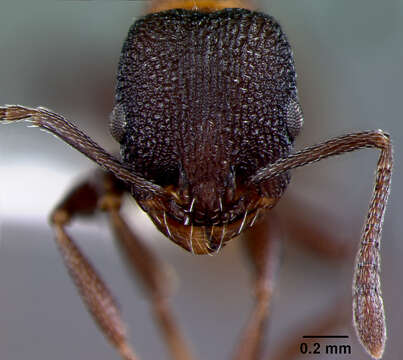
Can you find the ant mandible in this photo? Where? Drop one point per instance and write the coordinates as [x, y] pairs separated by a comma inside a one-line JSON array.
[[206, 113]]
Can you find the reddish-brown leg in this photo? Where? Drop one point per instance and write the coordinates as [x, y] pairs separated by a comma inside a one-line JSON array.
[[96, 296], [299, 220], [149, 269], [301, 229], [262, 244], [368, 312], [105, 192]]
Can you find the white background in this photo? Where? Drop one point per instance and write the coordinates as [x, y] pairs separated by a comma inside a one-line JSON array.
[[63, 55]]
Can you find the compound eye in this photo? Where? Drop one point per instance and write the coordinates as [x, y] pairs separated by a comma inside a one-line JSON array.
[[295, 118], [117, 123]]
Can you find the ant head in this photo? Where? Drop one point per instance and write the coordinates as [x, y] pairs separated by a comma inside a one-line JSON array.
[[204, 101]]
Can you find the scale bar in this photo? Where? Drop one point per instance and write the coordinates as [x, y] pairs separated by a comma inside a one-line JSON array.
[[325, 336]]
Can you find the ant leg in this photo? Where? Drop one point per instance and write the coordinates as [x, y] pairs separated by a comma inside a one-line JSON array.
[[96, 296], [150, 271], [263, 247], [304, 231], [368, 312]]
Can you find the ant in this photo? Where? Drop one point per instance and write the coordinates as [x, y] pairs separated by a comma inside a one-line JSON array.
[[206, 113]]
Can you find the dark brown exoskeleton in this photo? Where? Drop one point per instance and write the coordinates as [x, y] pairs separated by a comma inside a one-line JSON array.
[[206, 115]]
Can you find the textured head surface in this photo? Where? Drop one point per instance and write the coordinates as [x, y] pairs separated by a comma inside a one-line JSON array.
[[202, 102]]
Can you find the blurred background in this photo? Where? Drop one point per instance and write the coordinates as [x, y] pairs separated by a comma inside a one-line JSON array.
[[63, 55]]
